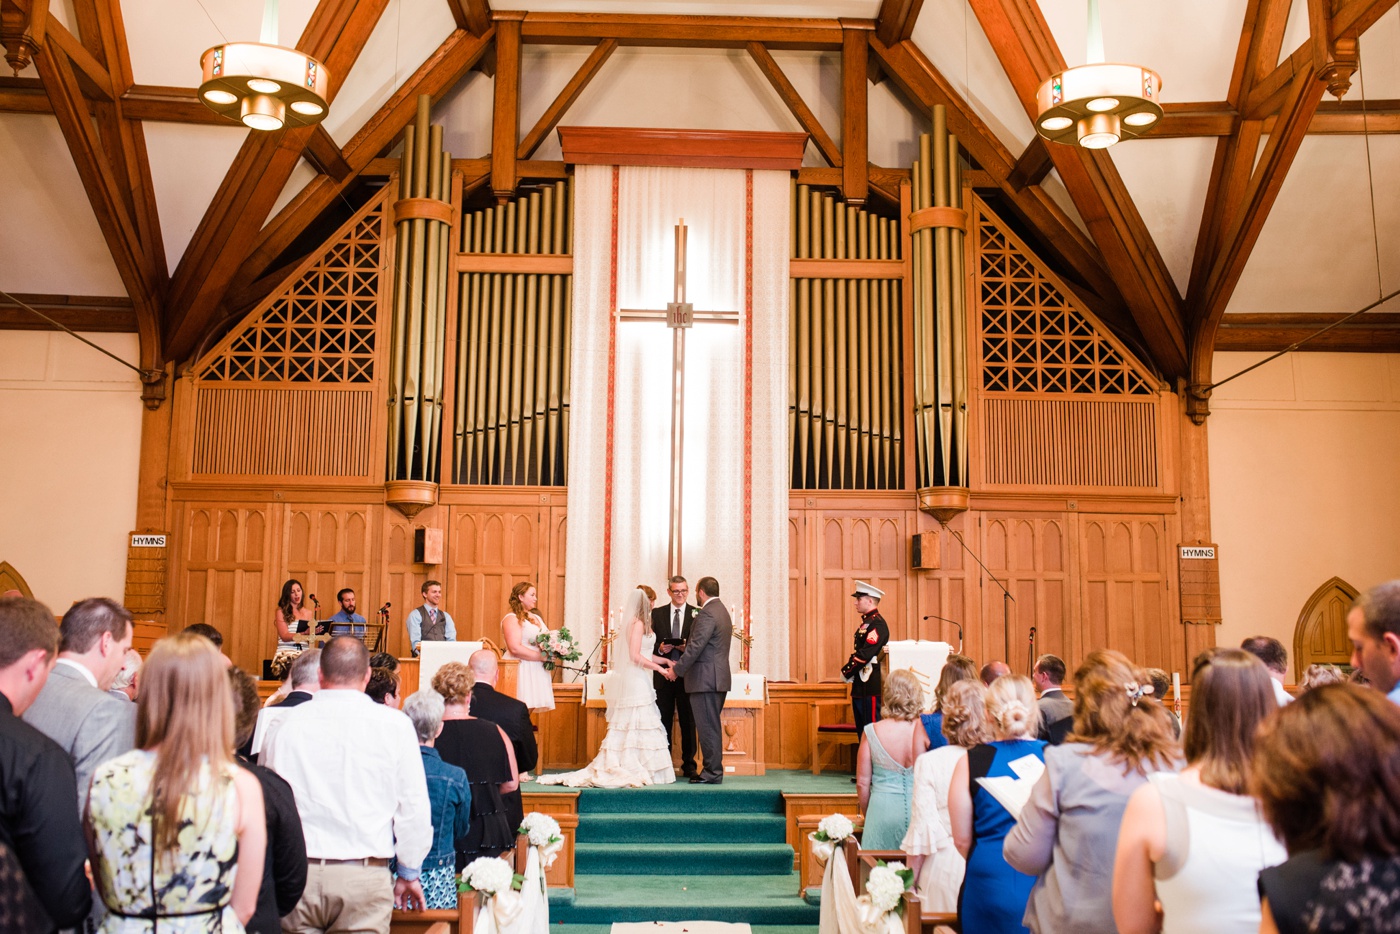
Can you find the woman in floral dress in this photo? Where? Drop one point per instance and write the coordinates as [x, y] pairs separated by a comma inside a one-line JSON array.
[[175, 830]]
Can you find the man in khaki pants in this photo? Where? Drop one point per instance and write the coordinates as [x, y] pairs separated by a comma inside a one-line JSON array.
[[355, 769]]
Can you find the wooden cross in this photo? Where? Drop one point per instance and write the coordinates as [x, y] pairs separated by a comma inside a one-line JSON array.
[[679, 316]]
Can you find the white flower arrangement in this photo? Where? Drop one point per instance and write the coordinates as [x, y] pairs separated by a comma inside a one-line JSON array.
[[834, 828], [489, 875], [543, 832], [886, 886]]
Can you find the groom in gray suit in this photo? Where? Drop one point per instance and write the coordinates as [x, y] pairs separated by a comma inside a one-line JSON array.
[[705, 667]]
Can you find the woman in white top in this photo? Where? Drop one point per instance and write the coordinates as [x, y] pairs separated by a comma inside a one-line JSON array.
[[634, 751], [937, 864], [1196, 841], [520, 627]]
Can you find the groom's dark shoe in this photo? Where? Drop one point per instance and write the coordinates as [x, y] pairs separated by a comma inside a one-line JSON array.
[[697, 780]]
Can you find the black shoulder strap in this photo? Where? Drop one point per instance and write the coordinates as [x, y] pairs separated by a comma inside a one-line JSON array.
[[979, 763]]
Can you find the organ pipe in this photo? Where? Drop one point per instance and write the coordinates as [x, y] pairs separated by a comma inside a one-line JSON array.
[[845, 372], [513, 360]]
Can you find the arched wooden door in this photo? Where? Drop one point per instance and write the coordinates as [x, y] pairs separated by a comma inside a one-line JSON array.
[[10, 579], [1321, 634]]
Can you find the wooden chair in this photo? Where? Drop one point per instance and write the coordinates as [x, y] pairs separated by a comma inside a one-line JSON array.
[[826, 737]]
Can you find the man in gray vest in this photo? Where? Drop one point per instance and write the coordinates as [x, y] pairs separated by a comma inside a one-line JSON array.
[[430, 622]]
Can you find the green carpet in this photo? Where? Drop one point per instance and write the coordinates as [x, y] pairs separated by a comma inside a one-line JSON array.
[[687, 853]]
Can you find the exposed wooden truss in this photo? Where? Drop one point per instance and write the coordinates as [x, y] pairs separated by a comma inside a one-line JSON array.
[[112, 313], [895, 21], [1027, 51], [1245, 184], [1374, 332]]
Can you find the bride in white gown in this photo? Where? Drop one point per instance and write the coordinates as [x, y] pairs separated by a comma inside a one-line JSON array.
[[634, 751]]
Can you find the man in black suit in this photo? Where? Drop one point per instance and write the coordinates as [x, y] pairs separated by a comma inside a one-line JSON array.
[[510, 715], [671, 623]]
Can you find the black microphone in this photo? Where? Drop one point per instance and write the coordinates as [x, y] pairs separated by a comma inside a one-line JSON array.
[[384, 610], [313, 599]]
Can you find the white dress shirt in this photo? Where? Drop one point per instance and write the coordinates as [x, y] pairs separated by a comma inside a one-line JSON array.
[[82, 669], [355, 768]]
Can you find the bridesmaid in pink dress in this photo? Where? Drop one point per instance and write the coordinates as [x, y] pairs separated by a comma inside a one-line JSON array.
[[535, 686]]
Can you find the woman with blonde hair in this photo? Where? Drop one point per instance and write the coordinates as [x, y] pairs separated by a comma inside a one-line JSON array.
[[1068, 830], [994, 895], [937, 864], [481, 749], [520, 628], [885, 779], [176, 831], [1192, 844]]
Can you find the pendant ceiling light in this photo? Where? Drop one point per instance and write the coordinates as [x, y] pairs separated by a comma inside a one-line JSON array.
[[1098, 104], [263, 84]]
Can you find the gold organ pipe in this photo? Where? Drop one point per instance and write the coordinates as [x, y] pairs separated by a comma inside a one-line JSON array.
[[943, 309], [399, 349], [431, 291], [958, 286]]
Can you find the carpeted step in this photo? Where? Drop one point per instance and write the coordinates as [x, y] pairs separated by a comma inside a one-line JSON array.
[[758, 900], [691, 828], [756, 928], [700, 859], [681, 800]]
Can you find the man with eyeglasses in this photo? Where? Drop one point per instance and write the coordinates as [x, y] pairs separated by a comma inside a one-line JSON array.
[[671, 623]]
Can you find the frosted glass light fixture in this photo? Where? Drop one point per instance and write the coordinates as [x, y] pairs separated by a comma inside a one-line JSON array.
[[262, 84]]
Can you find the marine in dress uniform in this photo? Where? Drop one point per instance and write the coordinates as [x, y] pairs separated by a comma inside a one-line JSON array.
[[862, 669]]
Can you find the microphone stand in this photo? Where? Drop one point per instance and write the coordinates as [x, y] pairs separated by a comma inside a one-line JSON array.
[[587, 666], [955, 623], [1030, 666], [383, 614], [1006, 594]]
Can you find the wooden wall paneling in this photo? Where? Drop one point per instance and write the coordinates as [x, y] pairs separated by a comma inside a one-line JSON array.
[[852, 546], [225, 553], [799, 605], [943, 592], [1029, 552], [328, 547], [403, 578], [1320, 635], [491, 546], [1125, 573]]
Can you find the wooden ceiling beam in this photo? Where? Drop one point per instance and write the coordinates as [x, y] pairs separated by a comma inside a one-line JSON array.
[[474, 16], [795, 104], [855, 109], [1073, 252], [565, 98], [335, 34], [162, 104], [23, 96], [1027, 51], [895, 21], [1031, 166], [505, 113], [106, 313], [323, 152], [442, 70], [1350, 19], [1373, 332], [717, 32]]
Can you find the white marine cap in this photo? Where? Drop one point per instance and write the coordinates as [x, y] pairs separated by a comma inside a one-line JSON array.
[[867, 590]]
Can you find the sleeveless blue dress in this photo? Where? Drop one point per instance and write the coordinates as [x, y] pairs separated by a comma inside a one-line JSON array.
[[891, 794], [994, 895]]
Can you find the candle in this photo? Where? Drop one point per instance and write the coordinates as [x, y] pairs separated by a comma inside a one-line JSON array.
[[1176, 691]]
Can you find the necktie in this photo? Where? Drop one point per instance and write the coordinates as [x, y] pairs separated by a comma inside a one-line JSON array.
[[432, 617], [676, 623]]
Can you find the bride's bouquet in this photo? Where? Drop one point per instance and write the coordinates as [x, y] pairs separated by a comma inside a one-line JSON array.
[[556, 647]]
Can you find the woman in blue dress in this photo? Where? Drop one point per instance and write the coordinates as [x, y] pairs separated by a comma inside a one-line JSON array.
[[885, 762], [994, 895], [956, 668]]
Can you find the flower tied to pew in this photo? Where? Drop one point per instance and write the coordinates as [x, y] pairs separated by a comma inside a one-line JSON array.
[[828, 836], [490, 875], [886, 885], [544, 834]]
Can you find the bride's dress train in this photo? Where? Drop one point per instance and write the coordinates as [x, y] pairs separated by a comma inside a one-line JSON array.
[[634, 751]]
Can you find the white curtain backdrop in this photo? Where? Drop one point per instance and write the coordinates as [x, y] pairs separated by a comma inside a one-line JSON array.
[[714, 204]]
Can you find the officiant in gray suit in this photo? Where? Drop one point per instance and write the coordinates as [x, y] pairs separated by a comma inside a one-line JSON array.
[[705, 667]]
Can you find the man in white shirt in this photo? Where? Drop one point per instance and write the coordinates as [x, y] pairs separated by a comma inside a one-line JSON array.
[[355, 769], [74, 708], [1271, 652]]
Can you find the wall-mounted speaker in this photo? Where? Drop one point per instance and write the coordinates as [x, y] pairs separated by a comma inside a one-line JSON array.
[[925, 554], [427, 546]]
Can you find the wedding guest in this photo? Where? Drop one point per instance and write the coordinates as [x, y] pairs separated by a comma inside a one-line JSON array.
[[1195, 842], [384, 660], [993, 670], [284, 861], [38, 822], [177, 831], [1317, 675], [303, 681], [1161, 687], [994, 895], [511, 715], [74, 708], [938, 866], [1056, 710], [956, 668], [430, 622], [483, 750], [885, 761], [1067, 831], [520, 627], [355, 769], [292, 615], [383, 687], [1325, 773], [1271, 652], [451, 799], [124, 685]]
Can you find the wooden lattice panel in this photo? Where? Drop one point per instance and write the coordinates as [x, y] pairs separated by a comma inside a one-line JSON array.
[[1033, 340], [320, 328]]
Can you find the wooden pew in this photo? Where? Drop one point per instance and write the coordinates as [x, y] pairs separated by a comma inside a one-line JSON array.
[[916, 921], [452, 922]]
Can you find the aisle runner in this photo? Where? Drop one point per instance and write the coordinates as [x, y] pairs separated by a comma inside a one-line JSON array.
[[679, 927], [736, 469]]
